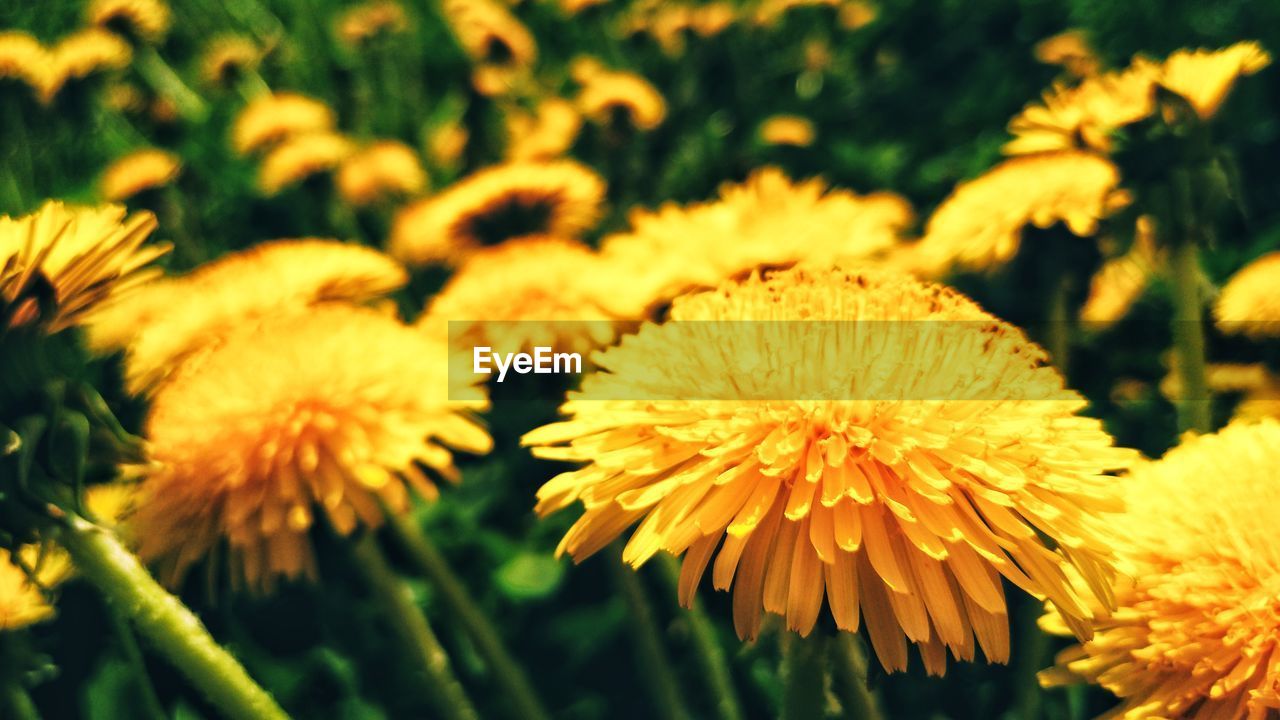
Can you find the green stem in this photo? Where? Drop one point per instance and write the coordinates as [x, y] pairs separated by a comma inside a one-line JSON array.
[[173, 629], [15, 701], [654, 665], [515, 684], [1058, 317], [411, 624], [850, 666], [151, 706], [1033, 654], [165, 81], [804, 677], [1188, 337], [707, 648]]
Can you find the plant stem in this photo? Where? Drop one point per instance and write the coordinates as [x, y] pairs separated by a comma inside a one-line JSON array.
[[165, 81], [151, 706], [14, 698], [707, 647], [1058, 317], [1188, 337], [654, 665], [506, 671], [411, 624], [1033, 653], [804, 677], [850, 664], [168, 624]]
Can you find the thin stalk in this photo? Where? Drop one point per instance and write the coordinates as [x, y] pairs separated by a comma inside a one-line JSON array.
[[167, 624], [1033, 654], [151, 706], [707, 648], [1058, 318], [166, 81], [850, 666], [14, 698], [508, 673], [411, 625], [1188, 337], [804, 677], [654, 665]]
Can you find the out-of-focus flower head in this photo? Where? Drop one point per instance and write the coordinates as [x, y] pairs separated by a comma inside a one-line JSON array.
[[225, 59], [362, 23], [1249, 303], [446, 144], [608, 96], [561, 198], [1121, 280], [111, 504], [670, 24], [300, 156], [1205, 77], [383, 169], [768, 13], [899, 476], [1195, 633], [138, 171], [22, 595], [980, 224], [240, 289], [144, 20], [83, 253], [268, 119], [573, 7], [530, 292], [856, 14], [499, 45], [24, 59], [323, 414], [113, 323], [547, 133], [1071, 50], [767, 221], [125, 97], [792, 130], [81, 54]]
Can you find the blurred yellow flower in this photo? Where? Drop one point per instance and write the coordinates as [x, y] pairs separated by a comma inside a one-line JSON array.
[[822, 480], [446, 144], [561, 198], [24, 59], [125, 97], [787, 130], [383, 169], [1249, 303], [147, 20], [529, 292], [1195, 634], [81, 54], [324, 413], [244, 288], [84, 253], [268, 119], [769, 13], [111, 503], [300, 156], [361, 23], [1121, 280], [573, 7], [1087, 114], [767, 221], [22, 597], [497, 43], [1071, 50], [547, 133], [225, 59], [138, 171], [608, 96], [980, 224], [1205, 77], [856, 14], [113, 323]]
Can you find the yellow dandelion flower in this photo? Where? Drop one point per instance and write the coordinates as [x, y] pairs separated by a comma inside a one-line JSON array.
[[710, 19], [1260, 403], [362, 23], [547, 134], [769, 220], [1071, 50], [573, 7], [24, 59], [980, 224], [1195, 634], [278, 277], [114, 323], [1249, 303], [111, 503], [903, 511], [608, 96], [561, 198], [529, 292], [138, 171], [1121, 280], [791, 130], [490, 34], [225, 59], [22, 596], [83, 253], [667, 24], [82, 54], [584, 67], [147, 20], [124, 97], [770, 12], [268, 119], [301, 156], [326, 413], [856, 14], [446, 143], [383, 169], [1087, 114], [1205, 77], [1246, 378]]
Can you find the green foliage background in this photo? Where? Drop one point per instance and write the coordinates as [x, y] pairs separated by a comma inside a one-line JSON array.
[[913, 102]]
